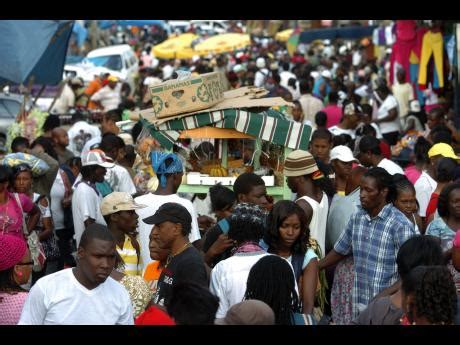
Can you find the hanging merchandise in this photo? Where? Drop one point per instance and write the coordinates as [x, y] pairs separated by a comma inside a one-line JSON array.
[[451, 48], [432, 46], [401, 50], [414, 60]]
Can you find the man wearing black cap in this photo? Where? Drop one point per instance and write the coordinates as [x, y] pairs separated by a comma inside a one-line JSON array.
[[172, 225]]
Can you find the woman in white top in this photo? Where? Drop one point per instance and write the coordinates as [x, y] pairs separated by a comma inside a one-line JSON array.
[[288, 236], [387, 113]]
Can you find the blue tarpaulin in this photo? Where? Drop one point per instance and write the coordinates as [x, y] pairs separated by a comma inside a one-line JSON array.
[[33, 48], [81, 33], [351, 33]]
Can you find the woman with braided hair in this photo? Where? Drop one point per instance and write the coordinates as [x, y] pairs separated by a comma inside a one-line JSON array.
[[271, 280], [429, 297]]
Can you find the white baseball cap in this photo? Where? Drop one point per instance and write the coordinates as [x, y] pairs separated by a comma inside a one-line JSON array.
[[414, 106], [95, 157], [326, 74], [260, 62], [342, 153]]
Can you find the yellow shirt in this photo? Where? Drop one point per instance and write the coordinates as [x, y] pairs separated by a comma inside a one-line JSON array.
[[130, 258]]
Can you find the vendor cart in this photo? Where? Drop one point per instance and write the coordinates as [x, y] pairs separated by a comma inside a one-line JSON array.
[[265, 128]]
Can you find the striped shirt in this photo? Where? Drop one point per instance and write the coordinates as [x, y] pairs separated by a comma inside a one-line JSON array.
[[130, 258], [374, 243]]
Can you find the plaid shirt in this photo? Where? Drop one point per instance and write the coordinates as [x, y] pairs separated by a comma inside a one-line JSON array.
[[374, 243]]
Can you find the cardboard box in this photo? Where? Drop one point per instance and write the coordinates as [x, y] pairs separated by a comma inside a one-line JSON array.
[[183, 96]]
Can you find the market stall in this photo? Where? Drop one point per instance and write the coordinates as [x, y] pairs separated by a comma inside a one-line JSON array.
[[269, 137]]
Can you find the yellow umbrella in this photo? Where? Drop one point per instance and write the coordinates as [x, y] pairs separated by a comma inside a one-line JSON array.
[[176, 48], [283, 36], [223, 43]]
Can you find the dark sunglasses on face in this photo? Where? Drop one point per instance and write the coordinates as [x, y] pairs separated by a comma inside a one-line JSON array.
[[25, 263]]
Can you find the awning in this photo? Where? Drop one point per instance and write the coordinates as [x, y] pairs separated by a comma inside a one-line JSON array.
[[270, 125], [350, 33]]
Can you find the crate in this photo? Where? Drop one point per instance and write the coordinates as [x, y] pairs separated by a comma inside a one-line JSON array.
[[182, 96]]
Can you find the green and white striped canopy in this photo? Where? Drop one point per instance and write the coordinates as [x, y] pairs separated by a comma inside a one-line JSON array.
[[270, 125]]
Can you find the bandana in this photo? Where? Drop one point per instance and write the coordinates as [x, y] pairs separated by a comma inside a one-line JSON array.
[[159, 165]]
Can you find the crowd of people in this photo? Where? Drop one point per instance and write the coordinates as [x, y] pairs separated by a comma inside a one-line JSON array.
[[371, 235]]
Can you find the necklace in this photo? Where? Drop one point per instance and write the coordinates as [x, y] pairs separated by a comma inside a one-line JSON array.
[[171, 256]]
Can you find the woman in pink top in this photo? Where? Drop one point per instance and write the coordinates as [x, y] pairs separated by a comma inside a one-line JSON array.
[[421, 148], [333, 111], [15, 269], [10, 211]]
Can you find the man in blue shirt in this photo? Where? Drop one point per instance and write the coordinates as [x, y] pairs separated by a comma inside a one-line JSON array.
[[373, 235]]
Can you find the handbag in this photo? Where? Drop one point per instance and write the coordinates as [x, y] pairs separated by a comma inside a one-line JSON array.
[[35, 247], [50, 244]]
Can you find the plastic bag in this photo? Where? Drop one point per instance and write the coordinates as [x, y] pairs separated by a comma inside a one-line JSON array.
[[38, 166]]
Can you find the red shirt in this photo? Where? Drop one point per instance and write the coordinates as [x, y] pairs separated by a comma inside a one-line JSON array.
[[432, 205], [385, 149]]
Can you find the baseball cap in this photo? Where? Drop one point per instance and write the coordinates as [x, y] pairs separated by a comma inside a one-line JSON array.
[[260, 62], [249, 312], [442, 149], [95, 157], [342, 153], [112, 78], [119, 201], [414, 106], [326, 74], [172, 212], [238, 68], [299, 163]]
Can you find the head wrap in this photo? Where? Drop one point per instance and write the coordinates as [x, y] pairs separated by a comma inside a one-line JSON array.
[[159, 165], [12, 250]]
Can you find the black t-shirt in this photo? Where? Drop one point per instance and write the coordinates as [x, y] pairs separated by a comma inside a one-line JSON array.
[[187, 266]]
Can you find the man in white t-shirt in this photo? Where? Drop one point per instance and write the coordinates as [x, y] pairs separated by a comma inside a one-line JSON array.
[[117, 177], [80, 133], [351, 114], [109, 97], [84, 295], [86, 200], [169, 170], [387, 113], [370, 155]]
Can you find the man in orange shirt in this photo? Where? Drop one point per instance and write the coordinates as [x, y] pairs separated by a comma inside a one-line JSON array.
[[94, 86], [153, 270]]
